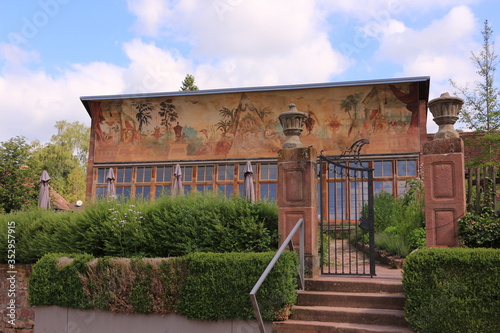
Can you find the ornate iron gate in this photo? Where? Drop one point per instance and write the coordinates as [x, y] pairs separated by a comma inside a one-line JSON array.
[[346, 209]]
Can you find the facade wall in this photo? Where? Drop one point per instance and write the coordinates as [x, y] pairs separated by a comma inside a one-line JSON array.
[[212, 134]]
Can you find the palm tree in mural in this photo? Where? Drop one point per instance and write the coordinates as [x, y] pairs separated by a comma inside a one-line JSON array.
[[227, 119], [168, 113], [350, 103], [143, 113]]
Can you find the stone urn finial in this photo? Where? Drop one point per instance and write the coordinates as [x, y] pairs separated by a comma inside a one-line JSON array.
[[445, 110], [292, 122]]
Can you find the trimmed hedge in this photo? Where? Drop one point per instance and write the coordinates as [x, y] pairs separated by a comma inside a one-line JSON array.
[[169, 226], [453, 290], [199, 286]]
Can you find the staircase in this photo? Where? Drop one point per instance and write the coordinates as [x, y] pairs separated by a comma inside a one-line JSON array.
[[349, 304]]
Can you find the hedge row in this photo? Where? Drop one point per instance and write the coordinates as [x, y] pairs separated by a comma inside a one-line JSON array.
[[453, 290], [208, 286], [170, 226]]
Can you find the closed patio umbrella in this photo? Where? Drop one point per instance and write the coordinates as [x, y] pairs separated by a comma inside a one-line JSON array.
[[110, 180], [44, 197], [248, 184], [177, 188]]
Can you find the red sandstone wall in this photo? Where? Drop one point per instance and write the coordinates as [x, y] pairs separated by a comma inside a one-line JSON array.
[[24, 315]]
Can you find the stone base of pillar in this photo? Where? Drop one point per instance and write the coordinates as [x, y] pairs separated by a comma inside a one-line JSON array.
[[444, 183], [297, 198]]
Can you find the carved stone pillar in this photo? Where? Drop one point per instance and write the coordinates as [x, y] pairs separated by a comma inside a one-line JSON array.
[[297, 193], [444, 175]]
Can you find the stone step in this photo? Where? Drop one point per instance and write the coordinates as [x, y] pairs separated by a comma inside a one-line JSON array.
[[355, 285], [298, 326], [365, 316], [351, 300]]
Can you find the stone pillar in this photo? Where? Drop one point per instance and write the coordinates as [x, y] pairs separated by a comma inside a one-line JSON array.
[[297, 192], [444, 175]]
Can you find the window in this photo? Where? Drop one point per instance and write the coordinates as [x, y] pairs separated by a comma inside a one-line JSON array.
[[225, 172], [268, 171], [142, 192], [382, 169], [205, 173], [143, 175], [164, 174], [124, 175], [407, 168], [268, 191], [384, 186]]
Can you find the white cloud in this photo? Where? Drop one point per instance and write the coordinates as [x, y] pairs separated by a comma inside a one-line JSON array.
[[32, 100], [149, 14]]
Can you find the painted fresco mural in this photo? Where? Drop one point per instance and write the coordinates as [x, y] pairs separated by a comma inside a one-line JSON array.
[[245, 124]]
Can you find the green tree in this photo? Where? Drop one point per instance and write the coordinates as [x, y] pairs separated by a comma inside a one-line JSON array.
[[188, 83], [76, 136], [65, 159], [481, 110], [19, 175]]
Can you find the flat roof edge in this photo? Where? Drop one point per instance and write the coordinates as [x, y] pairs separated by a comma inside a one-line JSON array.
[[258, 88]]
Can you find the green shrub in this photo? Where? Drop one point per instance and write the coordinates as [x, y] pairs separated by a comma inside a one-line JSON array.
[[218, 286], [399, 222], [394, 244], [200, 286], [453, 290], [480, 230], [170, 226], [56, 282]]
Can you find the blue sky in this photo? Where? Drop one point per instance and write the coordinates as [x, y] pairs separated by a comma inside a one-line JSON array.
[[54, 51]]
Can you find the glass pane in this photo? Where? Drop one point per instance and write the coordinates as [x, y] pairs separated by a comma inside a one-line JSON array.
[[204, 188], [142, 192], [164, 174], [227, 190], [123, 191], [242, 172], [268, 191], [100, 191], [205, 173], [143, 175], [382, 187], [407, 168], [225, 172], [187, 173], [268, 171], [162, 190], [382, 168], [359, 197], [101, 175], [124, 175], [272, 171], [336, 202], [401, 187]]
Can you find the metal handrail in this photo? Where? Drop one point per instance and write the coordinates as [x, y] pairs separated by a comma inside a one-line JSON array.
[[288, 241]]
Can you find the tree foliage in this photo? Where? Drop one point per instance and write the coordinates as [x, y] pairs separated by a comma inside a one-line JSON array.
[[188, 83], [481, 110], [64, 158], [19, 175]]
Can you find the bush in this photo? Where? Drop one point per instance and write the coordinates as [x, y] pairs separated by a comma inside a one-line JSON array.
[[453, 290], [170, 226], [399, 222], [199, 286], [480, 230]]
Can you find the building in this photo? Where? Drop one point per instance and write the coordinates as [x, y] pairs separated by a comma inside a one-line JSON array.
[[213, 133]]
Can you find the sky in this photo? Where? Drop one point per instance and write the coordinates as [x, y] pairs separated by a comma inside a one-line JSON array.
[[52, 52]]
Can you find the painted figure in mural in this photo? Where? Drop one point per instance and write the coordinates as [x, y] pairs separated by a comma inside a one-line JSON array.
[[310, 121], [178, 132]]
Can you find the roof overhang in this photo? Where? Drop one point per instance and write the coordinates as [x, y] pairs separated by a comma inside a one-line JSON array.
[[423, 89]]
